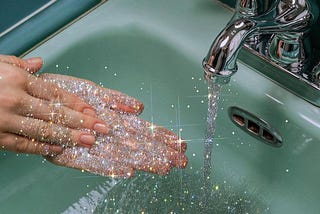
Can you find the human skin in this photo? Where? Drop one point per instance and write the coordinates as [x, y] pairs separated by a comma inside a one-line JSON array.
[[131, 143], [126, 144], [28, 107]]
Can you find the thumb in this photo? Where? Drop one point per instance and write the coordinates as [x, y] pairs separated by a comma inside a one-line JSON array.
[[32, 65]]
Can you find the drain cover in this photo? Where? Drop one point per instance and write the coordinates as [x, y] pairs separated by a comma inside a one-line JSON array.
[[255, 126]]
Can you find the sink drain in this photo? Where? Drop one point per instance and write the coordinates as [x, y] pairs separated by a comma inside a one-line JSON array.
[[255, 126]]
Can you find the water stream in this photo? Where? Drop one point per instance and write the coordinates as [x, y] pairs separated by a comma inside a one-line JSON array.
[[213, 97]]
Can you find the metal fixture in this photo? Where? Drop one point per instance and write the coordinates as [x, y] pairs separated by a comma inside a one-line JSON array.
[[274, 32]]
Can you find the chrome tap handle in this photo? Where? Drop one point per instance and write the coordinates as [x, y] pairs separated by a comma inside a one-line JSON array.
[[289, 17]]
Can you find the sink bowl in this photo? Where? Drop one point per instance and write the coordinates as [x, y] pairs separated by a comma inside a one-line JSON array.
[[153, 51]]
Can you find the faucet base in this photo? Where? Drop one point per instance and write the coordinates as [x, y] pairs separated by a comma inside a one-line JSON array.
[[295, 83]]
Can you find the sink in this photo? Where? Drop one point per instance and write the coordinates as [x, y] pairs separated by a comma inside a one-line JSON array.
[[153, 51]]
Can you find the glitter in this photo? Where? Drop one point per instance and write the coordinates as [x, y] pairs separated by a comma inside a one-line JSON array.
[[188, 106], [152, 127], [110, 156], [57, 66], [233, 133], [216, 187], [286, 121], [172, 106]]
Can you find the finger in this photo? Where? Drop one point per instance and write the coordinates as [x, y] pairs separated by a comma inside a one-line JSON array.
[[172, 140], [137, 127], [121, 102], [44, 89], [49, 132], [56, 113], [115, 100], [133, 154], [20, 144], [79, 158], [159, 158], [31, 65]]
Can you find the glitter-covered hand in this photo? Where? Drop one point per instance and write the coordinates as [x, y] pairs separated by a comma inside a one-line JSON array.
[[37, 116], [131, 143]]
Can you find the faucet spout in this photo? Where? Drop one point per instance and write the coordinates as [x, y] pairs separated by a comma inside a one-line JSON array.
[[222, 56], [290, 18]]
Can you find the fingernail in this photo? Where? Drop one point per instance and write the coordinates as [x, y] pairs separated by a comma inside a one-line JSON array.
[[34, 60], [100, 127], [87, 140], [34, 64], [90, 112]]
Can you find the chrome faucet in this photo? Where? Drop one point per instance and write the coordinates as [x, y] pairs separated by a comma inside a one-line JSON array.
[[280, 33]]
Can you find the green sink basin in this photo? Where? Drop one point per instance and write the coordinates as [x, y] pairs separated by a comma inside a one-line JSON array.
[[153, 50]]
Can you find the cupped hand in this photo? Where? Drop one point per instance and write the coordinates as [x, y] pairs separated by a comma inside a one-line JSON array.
[[38, 117], [131, 143]]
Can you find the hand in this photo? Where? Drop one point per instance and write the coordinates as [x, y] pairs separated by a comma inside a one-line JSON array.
[[131, 143], [38, 117]]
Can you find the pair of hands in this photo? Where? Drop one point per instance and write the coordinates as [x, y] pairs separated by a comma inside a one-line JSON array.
[[40, 116]]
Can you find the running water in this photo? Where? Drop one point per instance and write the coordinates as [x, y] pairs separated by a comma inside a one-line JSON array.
[[213, 97]]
